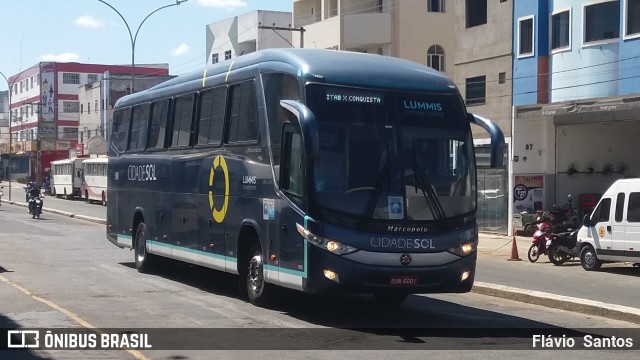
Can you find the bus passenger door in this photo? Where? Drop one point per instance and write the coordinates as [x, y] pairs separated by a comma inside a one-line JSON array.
[[292, 265]]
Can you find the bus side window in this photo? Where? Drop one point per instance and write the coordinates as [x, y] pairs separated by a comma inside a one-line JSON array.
[[211, 119], [182, 121], [158, 126], [120, 131], [139, 127], [243, 114]]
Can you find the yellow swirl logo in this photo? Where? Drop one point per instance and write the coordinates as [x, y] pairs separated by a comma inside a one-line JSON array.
[[218, 215], [601, 231]]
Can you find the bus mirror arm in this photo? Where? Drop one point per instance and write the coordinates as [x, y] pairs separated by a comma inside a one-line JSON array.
[[308, 125], [497, 138]]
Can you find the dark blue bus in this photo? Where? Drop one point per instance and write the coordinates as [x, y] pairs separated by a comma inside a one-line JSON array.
[[315, 170]]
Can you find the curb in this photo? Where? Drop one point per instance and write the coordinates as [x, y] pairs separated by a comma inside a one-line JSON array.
[[567, 303], [63, 213]]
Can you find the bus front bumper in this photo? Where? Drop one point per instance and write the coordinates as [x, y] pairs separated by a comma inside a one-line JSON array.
[[335, 273]]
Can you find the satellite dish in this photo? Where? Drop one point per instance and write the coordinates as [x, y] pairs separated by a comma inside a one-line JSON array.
[[96, 145]]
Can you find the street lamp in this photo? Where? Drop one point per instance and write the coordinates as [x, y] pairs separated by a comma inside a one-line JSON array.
[[134, 37]]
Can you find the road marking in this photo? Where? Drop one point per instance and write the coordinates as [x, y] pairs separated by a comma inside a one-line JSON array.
[[138, 355]]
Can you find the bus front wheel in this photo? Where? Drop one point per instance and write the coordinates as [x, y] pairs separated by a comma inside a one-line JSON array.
[[257, 288], [144, 260]]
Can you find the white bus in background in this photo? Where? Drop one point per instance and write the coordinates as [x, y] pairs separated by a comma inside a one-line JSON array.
[[66, 177], [94, 185]]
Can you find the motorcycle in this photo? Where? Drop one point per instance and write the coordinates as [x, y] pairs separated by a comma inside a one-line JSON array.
[[561, 219], [540, 241], [35, 206], [563, 247]]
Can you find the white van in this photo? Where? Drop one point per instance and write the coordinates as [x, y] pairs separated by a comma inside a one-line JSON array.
[[611, 233]]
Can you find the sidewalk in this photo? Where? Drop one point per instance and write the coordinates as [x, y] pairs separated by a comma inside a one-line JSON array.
[[557, 281]]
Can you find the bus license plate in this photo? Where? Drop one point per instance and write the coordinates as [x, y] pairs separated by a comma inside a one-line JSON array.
[[404, 280]]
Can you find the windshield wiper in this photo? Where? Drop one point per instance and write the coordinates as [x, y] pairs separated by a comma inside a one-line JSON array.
[[422, 181]]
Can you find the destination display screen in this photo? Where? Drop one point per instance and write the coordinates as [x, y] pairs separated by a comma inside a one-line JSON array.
[[337, 95]]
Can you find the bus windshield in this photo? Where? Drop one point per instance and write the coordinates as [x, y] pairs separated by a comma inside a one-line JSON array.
[[392, 156]]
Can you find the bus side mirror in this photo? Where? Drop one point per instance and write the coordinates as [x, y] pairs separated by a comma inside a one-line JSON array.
[[308, 125], [586, 221], [497, 138]]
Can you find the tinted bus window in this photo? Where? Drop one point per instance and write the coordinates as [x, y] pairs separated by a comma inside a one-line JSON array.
[[211, 122], [139, 125], [182, 116], [243, 119], [120, 132], [158, 128], [278, 87]]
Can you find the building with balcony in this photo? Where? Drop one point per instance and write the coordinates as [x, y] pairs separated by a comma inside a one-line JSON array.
[[420, 31], [247, 33], [576, 95], [45, 111]]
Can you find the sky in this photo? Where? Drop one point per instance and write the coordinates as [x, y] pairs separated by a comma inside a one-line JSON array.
[[88, 31]]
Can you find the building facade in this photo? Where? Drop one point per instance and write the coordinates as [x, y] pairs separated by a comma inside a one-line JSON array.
[[483, 73], [420, 31], [576, 97], [45, 111], [247, 33]]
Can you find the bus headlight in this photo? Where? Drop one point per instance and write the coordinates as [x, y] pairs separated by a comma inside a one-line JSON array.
[[332, 246], [465, 248]]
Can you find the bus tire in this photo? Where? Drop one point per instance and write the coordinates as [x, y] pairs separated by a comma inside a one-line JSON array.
[[257, 288], [104, 199], [144, 260], [393, 298]]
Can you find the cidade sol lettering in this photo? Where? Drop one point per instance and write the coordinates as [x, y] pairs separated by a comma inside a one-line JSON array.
[[401, 243], [142, 172]]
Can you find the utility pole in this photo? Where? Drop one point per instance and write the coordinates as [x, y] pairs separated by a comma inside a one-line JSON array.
[[274, 28]]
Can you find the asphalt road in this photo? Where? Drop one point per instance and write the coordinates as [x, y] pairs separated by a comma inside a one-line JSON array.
[[60, 272]]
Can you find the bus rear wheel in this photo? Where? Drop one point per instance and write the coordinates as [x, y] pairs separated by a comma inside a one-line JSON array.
[[257, 288], [144, 260]]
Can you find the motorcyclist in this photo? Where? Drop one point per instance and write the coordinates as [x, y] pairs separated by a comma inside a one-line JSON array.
[[29, 186], [33, 192]]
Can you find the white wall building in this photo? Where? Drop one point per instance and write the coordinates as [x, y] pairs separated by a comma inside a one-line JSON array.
[[242, 34]]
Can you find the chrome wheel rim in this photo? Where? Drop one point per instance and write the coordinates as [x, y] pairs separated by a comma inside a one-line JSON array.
[[589, 259], [256, 277]]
